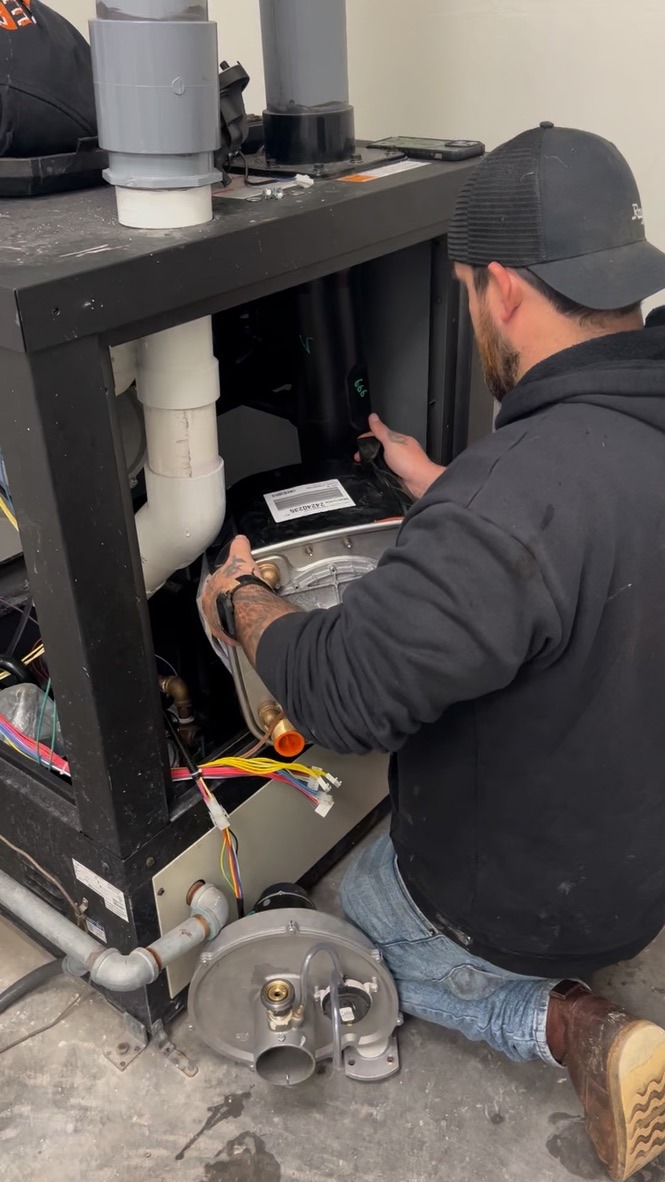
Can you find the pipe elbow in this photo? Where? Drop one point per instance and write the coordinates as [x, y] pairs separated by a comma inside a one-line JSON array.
[[122, 974], [179, 521], [211, 905]]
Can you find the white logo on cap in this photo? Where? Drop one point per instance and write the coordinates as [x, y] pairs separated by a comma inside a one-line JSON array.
[[638, 216]]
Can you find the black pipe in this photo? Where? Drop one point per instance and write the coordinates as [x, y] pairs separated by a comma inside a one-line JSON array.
[[443, 355], [463, 376], [308, 117], [333, 395], [16, 668], [28, 984]]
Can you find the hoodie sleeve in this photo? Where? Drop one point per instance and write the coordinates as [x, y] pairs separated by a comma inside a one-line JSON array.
[[452, 612]]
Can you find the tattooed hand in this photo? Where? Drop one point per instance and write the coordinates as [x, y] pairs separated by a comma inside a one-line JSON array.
[[406, 458], [254, 607], [239, 562]]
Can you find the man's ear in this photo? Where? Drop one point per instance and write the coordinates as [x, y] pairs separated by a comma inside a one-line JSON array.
[[504, 293]]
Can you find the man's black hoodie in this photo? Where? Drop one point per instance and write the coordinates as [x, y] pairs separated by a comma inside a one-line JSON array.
[[511, 649]]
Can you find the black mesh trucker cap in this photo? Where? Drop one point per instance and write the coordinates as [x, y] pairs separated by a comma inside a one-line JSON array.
[[564, 204]]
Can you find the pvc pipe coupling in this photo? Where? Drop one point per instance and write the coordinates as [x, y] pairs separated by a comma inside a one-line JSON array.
[[155, 69]]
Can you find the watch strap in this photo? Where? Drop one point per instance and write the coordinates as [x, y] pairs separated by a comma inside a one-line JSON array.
[[225, 608]]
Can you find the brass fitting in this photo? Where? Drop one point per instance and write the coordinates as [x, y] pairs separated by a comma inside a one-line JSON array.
[[287, 741], [178, 691], [278, 997], [269, 572]]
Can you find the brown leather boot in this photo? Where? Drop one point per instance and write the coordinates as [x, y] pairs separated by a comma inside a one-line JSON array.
[[617, 1067]]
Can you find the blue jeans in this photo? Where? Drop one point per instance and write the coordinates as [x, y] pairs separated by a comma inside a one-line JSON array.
[[437, 980]]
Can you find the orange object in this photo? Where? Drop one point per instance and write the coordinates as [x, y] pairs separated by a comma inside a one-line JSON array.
[[287, 741]]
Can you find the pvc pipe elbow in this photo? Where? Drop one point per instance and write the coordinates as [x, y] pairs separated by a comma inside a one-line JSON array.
[[179, 521]]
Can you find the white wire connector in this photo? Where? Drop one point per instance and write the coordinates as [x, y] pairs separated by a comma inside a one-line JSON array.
[[317, 784], [324, 806], [333, 780], [220, 818]]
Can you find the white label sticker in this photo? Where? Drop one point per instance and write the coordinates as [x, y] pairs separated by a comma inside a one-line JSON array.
[[112, 896], [96, 929], [307, 499], [377, 174]]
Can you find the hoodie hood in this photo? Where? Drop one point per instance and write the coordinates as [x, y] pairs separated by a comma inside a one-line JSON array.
[[624, 372]]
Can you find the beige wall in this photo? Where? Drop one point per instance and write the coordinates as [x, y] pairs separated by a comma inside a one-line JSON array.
[[489, 68]]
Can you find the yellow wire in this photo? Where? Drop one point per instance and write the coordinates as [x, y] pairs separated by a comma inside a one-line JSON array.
[[8, 513], [10, 744], [263, 766], [222, 868]]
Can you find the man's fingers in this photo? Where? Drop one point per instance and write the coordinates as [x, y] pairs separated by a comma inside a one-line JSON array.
[[240, 547], [378, 428], [377, 431]]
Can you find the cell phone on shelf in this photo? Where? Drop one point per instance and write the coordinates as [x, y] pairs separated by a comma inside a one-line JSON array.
[[421, 148]]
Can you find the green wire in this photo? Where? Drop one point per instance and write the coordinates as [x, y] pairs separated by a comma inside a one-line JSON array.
[[54, 728], [40, 723]]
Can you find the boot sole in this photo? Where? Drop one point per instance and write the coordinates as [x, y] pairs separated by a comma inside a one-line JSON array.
[[636, 1079]]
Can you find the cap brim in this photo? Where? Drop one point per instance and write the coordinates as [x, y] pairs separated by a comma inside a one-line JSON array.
[[608, 278]]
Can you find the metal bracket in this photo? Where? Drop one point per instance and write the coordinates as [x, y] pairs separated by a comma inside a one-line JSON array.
[[365, 1070], [129, 1048], [170, 1051]]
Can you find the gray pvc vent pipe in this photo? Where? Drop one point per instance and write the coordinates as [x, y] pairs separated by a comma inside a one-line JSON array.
[[304, 53], [308, 116], [109, 968], [155, 69]]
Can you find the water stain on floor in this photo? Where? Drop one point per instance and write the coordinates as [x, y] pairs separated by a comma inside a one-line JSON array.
[[244, 1159], [572, 1147], [230, 1108]]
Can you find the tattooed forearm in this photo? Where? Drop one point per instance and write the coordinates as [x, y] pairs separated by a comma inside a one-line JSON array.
[[254, 610]]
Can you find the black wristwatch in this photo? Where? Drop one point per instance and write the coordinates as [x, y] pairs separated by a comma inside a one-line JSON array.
[[225, 610]]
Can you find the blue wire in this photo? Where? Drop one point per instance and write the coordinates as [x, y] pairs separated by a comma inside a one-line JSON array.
[[40, 723], [313, 796]]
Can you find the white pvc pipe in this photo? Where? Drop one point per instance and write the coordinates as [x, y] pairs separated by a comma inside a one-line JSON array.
[[177, 380], [163, 209]]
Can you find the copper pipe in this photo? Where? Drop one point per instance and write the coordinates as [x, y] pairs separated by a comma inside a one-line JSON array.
[[284, 737], [178, 691]]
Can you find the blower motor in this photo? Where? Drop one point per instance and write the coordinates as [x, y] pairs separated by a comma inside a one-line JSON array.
[[289, 987]]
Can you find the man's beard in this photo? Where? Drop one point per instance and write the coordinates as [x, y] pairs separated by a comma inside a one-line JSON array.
[[500, 363]]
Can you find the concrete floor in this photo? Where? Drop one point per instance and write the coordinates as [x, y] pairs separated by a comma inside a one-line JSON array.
[[456, 1113]]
